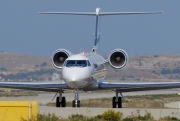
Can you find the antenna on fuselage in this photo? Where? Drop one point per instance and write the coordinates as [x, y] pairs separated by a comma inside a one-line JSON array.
[[98, 14]]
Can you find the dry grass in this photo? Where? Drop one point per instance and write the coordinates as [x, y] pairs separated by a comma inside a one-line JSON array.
[[18, 94]]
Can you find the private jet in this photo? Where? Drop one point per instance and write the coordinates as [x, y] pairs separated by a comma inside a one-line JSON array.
[[87, 71]]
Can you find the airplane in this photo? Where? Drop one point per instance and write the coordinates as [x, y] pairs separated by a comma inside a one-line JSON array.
[[87, 71]]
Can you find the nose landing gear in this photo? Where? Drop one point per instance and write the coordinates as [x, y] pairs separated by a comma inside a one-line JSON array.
[[76, 101]]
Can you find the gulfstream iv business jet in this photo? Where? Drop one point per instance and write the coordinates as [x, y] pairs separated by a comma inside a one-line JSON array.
[[87, 71]]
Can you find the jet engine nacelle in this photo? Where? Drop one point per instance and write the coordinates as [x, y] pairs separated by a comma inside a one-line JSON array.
[[59, 56], [118, 59]]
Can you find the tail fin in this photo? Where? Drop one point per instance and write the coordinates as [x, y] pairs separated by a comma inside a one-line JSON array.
[[98, 14]]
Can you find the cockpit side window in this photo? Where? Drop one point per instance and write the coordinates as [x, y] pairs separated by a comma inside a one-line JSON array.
[[88, 63]]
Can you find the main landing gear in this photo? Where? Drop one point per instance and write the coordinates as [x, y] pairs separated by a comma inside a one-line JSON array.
[[117, 101], [61, 101]]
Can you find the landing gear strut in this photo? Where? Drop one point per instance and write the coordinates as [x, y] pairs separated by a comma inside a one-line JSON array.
[[76, 101], [117, 101], [60, 101]]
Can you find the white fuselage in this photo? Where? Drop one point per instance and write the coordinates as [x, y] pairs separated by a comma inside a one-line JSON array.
[[84, 71]]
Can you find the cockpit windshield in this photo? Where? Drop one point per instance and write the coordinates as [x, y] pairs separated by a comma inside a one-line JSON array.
[[76, 63]]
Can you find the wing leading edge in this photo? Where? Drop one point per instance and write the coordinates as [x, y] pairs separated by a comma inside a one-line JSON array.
[[132, 87], [122, 87], [50, 87]]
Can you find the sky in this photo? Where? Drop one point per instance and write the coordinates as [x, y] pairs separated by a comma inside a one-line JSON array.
[[24, 31]]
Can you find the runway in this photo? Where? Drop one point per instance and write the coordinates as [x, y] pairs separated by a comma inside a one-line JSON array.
[[45, 98]]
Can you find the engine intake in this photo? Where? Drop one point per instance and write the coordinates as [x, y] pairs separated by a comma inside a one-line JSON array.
[[59, 57], [118, 59]]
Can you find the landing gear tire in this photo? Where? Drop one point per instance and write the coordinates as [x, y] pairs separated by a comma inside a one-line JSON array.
[[63, 104], [73, 103], [78, 103], [57, 102], [119, 102], [113, 102]]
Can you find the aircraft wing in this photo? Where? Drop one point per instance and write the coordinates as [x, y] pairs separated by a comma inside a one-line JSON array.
[[50, 87], [122, 87], [132, 87]]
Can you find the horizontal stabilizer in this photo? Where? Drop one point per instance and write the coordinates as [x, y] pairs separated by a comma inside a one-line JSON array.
[[101, 13], [69, 13], [98, 14], [128, 13]]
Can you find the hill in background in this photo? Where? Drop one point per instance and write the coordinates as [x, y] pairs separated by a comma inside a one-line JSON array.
[[23, 67], [141, 68]]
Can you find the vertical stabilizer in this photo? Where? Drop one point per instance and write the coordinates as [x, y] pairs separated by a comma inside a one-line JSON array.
[[97, 28]]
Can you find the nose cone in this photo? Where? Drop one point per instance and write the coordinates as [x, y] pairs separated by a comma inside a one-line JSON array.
[[76, 77]]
